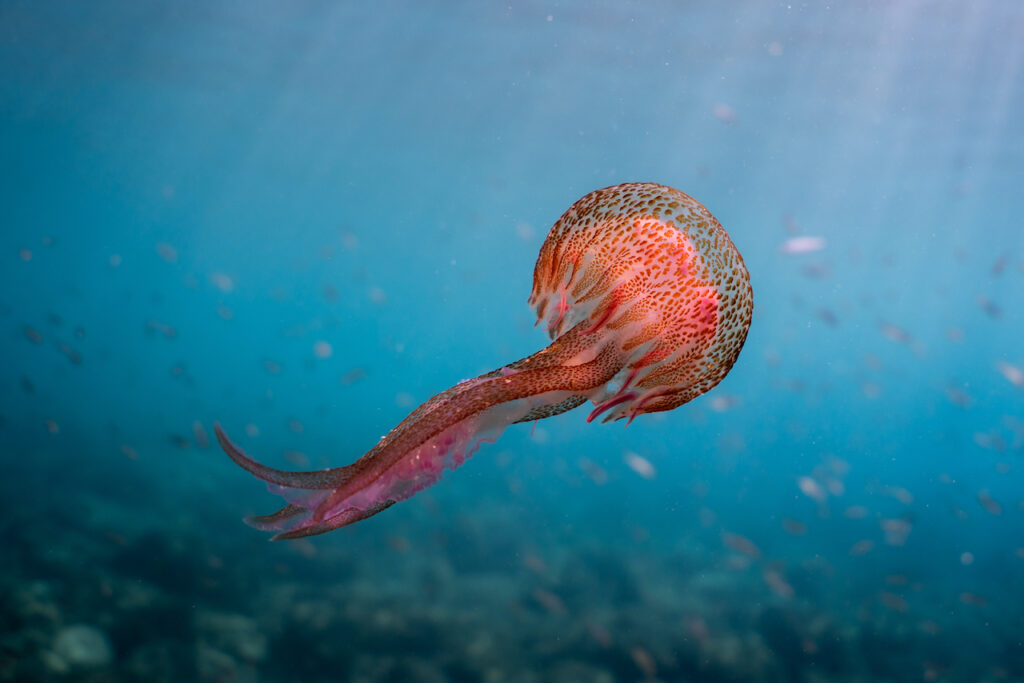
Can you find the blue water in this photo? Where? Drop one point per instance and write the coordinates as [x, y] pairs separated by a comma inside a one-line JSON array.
[[195, 197]]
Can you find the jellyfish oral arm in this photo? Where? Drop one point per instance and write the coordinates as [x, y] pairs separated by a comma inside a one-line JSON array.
[[441, 434]]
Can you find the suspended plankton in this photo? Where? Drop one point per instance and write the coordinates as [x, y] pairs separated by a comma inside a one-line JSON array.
[[648, 303]]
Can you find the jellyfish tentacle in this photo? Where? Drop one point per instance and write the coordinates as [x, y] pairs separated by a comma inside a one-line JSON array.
[[440, 434]]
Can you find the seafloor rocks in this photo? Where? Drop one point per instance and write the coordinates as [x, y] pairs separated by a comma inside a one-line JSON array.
[[79, 647]]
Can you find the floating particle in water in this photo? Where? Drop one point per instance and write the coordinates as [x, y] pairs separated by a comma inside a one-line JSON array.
[[27, 386], [535, 564], [525, 232], [741, 544], [79, 333], [724, 113], [114, 261], [1020, 553], [835, 486], [775, 48], [222, 282], [25, 255], [899, 493], [990, 307], [199, 434], [225, 313], [973, 599], [989, 503], [896, 531], [167, 252], [377, 296], [645, 662], [70, 353], [179, 441], [129, 452], [297, 458], [862, 547], [1000, 265], [892, 601], [271, 367], [872, 390], [721, 403], [600, 634], [896, 580], [323, 349], [296, 426], [639, 464], [828, 317], [955, 335], [1013, 374], [812, 489], [54, 319], [959, 397], [777, 583], [252, 430], [52, 427], [32, 335], [549, 601], [155, 326], [966, 559], [349, 241], [595, 472], [815, 271], [895, 333], [990, 441], [794, 526], [400, 544], [330, 293], [804, 244], [352, 376]]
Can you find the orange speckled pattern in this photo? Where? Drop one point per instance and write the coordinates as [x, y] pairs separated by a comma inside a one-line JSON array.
[[649, 266]]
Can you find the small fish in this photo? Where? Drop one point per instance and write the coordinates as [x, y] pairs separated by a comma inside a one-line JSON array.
[[894, 602], [989, 503], [794, 526], [896, 531], [167, 252], [812, 489], [353, 376], [199, 434], [856, 512], [895, 333], [222, 282], [862, 547], [958, 397], [1013, 374], [973, 599], [741, 544], [828, 317], [639, 464], [724, 113], [549, 601], [596, 473], [990, 307], [323, 349], [802, 245], [777, 583]]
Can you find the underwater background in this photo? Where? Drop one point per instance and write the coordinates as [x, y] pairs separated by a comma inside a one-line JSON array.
[[303, 219]]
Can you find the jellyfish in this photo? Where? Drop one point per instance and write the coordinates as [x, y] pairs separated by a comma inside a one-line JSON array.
[[647, 302]]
